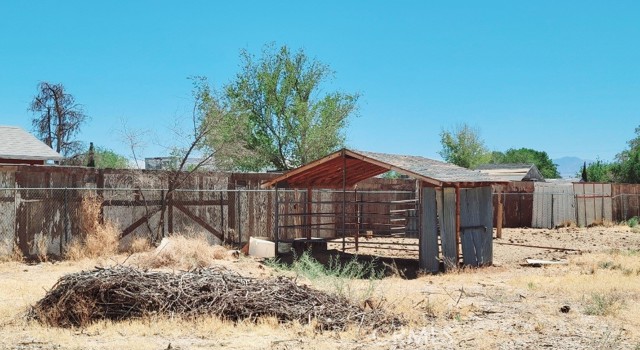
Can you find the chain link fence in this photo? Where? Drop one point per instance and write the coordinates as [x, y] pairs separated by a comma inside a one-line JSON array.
[[36, 220]]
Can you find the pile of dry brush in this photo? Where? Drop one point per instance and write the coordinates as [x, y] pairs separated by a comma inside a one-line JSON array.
[[125, 292]]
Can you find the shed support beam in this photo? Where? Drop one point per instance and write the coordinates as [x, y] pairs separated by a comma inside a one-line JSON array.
[[457, 188], [344, 199], [308, 218]]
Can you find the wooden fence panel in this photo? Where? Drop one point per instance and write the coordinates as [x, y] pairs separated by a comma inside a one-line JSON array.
[[476, 218], [448, 225], [517, 199], [625, 201], [554, 205], [429, 257]]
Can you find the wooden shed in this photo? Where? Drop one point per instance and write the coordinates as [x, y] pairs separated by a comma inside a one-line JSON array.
[[453, 206]]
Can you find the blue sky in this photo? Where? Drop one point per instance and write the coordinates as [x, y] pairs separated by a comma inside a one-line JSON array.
[[557, 76]]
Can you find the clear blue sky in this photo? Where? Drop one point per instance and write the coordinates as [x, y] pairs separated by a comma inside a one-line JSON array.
[[557, 76]]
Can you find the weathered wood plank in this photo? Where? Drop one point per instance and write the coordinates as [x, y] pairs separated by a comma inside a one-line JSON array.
[[448, 226], [428, 255]]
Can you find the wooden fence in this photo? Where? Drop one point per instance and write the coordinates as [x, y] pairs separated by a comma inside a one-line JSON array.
[[41, 201]]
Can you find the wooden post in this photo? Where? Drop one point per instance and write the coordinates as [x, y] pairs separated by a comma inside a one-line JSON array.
[[457, 188], [499, 217], [344, 199], [307, 217], [357, 233], [170, 212], [276, 229]]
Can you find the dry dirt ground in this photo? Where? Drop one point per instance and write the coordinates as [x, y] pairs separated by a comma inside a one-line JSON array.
[[505, 306]]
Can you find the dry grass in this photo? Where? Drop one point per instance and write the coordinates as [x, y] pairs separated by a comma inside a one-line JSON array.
[[40, 244], [102, 242], [602, 284], [182, 252], [98, 238], [10, 252], [137, 245], [154, 333], [507, 306]]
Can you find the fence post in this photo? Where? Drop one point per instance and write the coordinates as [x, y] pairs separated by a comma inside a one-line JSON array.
[[224, 232], [552, 213], [162, 208], [499, 217], [66, 219], [276, 233]]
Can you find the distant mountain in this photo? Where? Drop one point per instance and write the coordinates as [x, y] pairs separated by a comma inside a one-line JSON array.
[[568, 167]]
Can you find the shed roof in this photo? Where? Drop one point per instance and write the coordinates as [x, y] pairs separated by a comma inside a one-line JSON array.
[[328, 172], [15, 143], [512, 171]]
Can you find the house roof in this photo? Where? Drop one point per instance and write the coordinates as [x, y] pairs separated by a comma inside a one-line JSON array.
[[328, 172], [15, 143], [512, 171]]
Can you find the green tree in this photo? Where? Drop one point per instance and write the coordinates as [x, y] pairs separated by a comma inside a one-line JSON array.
[[600, 171], [103, 158], [108, 159], [463, 146], [628, 161], [279, 111], [528, 156]]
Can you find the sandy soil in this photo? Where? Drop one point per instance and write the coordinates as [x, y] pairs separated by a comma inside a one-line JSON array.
[[505, 306]]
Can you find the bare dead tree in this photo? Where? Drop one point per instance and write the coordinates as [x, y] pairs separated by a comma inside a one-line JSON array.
[[207, 114], [58, 118]]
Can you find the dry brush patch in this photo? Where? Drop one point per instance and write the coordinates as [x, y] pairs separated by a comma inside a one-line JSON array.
[[97, 238], [124, 293], [182, 252]]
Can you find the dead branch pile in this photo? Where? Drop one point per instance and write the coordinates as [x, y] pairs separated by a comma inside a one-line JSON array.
[[125, 292]]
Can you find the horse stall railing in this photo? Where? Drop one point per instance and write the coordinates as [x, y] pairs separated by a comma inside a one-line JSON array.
[[354, 220]]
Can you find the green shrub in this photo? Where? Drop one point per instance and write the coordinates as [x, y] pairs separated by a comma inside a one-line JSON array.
[[602, 304], [633, 222], [337, 274]]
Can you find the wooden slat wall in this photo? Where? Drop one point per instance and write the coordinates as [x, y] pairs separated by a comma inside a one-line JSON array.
[[625, 201], [517, 199], [447, 214], [476, 223], [429, 256], [594, 204], [553, 205], [542, 206]]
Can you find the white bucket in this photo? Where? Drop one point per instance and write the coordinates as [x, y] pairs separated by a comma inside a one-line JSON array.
[[261, 248]]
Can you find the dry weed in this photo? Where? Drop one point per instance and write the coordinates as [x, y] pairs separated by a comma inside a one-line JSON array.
[[138, 245], [10, 251], [178, 251], [90, 213], [41, 246], [17, 254], [98, 238]]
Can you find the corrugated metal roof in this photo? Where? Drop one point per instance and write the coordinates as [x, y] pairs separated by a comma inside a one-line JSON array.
[[15, 143], [347, 167]]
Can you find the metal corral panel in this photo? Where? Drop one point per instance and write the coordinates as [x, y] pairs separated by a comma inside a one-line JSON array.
[[446, 202], [593, 203], [553, 205], [476, 226], [429, 259]]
